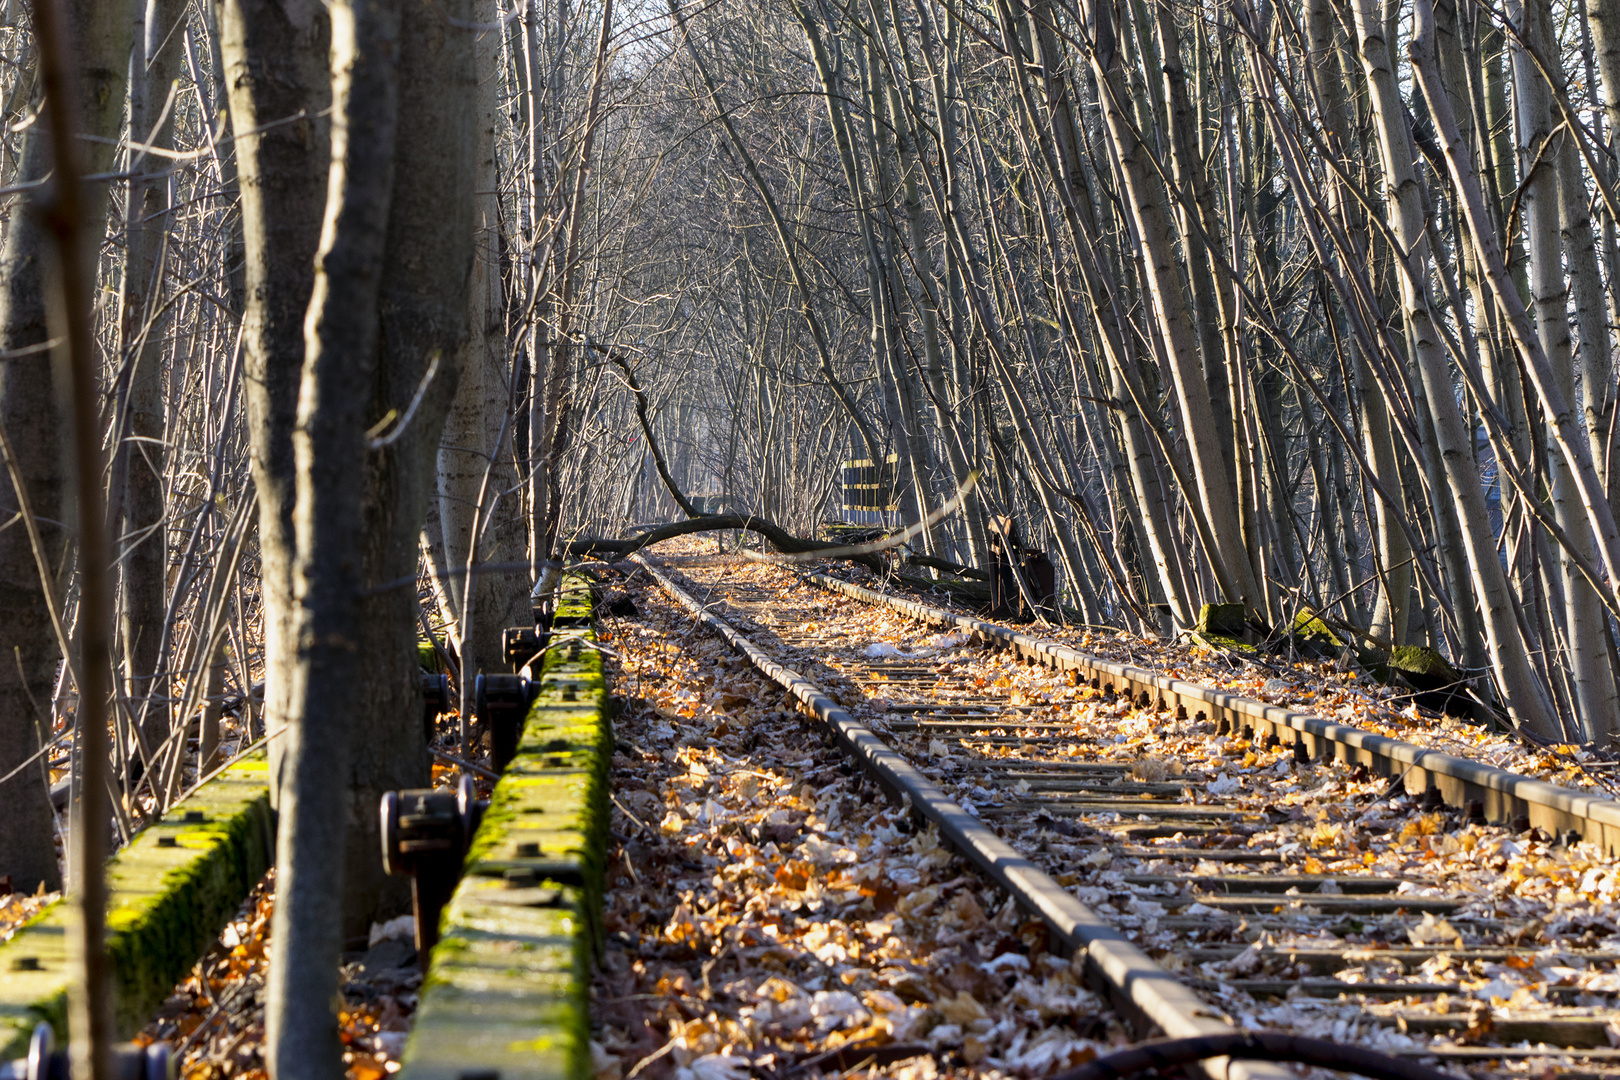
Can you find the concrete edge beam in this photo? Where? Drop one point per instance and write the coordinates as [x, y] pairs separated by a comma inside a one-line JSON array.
[[171, 891], [506, 995], [1504, 795]]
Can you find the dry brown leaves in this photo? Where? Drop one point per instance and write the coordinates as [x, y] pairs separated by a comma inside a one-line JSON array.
[[1329, 819], [769, 913], [214, 1020], [1321, 687], [17, 908]]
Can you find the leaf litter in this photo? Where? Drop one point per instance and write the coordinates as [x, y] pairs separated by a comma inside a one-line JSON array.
[[214, 1019], [769, 913], [1552, 902], [1324, 687]]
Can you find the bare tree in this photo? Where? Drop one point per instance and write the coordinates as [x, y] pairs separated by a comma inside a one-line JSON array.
[[327, 690]]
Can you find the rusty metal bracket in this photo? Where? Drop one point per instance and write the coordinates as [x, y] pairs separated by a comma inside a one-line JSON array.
[[129, 1061], [500, 704], [425, 833], [521, 645], [435, 701]]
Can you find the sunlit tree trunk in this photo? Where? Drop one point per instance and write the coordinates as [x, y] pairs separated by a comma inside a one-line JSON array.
[[330, 672], [1391, 613], [1175, 330], [477, 506], [278, 80], [426, 268], [1523, 694]]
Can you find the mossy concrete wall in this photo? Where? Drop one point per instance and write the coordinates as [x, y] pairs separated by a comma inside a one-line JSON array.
[[506, 995], [171, 892]]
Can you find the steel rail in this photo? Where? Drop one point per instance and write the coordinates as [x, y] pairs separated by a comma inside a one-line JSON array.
[[1162, 1054], [1502, 796], [1083, 794], [1140, 988]]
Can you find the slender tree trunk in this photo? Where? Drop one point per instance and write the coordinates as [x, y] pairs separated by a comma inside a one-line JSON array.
[[426, 266], [1213, 307], [1523, 694], [33, 423], [1587, 620], [80, 91], [141, 452], [1145, 197], [275, 57], [475, 452], [1391, 613], [1582, 616], [35, 473], [331, 672]]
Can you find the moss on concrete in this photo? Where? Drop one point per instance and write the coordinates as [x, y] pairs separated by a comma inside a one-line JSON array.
[[1222, 620], [1309, 627], [1422, 667], [506, 991], [166, 906]]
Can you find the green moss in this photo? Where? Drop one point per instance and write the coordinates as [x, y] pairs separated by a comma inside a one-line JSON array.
[[166, 906], [507, 987], [427, 657], [1421, 662], [1224, 643], [1224, 620], [1308, 626]]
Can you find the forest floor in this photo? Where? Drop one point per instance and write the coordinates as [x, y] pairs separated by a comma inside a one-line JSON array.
[[770, 913], [17, 908], [1332, 818], [1331, 688], [214, 1020]]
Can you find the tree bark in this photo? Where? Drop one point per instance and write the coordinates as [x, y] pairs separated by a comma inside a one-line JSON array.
[[426, 265], [479, 514], [275, 56], [1547, 214], [28, 404], [1145, 197], [1523, 694], [140, 454], [1392, 611], [331, 672], [27, 843]]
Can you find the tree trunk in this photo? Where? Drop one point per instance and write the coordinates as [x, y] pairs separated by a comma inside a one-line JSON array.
[[27, 843], [1587, 621], [475, 452], [29, 406], [1392, 611], [1145, 197], [275, 56], [140, 454], [426, 266], [331, 672], [1523, 694]]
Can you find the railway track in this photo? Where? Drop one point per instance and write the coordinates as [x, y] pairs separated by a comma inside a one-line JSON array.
[[1217, 873]]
